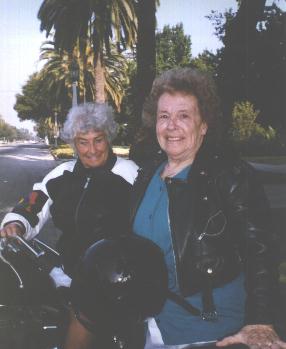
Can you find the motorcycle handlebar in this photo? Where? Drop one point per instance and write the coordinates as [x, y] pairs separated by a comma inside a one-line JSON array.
[[30, 248], [42, 256], [22, 245]]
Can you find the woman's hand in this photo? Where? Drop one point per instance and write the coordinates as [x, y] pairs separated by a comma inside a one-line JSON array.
[[11, 230], [255, 337], [78, 337]]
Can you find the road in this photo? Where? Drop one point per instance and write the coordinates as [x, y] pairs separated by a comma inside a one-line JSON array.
[[21, 165]]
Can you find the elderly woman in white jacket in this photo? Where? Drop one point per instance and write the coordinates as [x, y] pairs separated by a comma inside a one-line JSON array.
[[87, 198]]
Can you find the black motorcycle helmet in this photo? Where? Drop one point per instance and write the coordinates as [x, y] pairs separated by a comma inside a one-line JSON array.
[[118, 283]]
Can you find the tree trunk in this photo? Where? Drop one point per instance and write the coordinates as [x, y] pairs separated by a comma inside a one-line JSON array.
[[99, 71], [146, 52]]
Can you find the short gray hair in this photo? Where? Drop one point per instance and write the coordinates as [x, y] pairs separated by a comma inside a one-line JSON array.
[[89, 116]]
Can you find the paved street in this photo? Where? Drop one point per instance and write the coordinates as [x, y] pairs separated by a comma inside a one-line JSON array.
[[21, 165]]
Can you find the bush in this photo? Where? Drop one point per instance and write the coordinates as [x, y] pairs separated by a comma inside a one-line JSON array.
[[63, 152], [249, 137]]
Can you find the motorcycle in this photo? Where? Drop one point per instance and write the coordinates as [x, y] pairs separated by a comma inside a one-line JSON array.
[[33, 310]]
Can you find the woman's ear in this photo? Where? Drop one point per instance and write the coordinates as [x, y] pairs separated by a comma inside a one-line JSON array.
[[204, 129]]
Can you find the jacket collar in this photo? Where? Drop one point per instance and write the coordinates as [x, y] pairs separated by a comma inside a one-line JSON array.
[[208, 159]]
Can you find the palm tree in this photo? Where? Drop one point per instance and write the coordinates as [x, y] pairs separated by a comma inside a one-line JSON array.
[[55, 75], [96, 22], [57, 78]]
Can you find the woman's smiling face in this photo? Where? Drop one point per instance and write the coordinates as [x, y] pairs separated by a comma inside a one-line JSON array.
[[180, 128], [92, 148]]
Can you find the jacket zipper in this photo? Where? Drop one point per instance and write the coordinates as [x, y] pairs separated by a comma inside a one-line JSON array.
[[173, 249], [80, 202], [204, 233], [200, 237]]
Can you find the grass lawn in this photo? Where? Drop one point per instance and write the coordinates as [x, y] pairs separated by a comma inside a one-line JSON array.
[[62, 152], [66, 152], [121, 150]]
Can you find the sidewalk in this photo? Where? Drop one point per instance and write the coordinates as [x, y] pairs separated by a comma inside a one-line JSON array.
[[269, 168], [274, 179]]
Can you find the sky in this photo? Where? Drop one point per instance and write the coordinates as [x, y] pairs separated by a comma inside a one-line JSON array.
[[19, 51], [192, 13], [21, 40]]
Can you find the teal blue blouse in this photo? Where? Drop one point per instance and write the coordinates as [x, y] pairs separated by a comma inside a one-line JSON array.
[[177, 326]]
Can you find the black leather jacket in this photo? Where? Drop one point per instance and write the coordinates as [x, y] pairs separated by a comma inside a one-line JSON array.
[[219, 220]]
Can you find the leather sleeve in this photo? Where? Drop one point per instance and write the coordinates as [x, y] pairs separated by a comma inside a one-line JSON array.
[[254, 235]]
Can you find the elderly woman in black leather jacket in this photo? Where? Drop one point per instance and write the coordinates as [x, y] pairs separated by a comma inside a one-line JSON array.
[[207, 211]]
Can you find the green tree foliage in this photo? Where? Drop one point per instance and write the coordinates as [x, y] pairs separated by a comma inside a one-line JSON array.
[[252, 65], [11, 133], [42, 96], [116, 77], [56, 75], [171, 41], [39, 101], [5, 129], [46, 128], [128, 114], [248, 135], [32, 103], [173, 48], [244, 125], [50, 90], [270, 77], [92, 22], [206, 62]]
